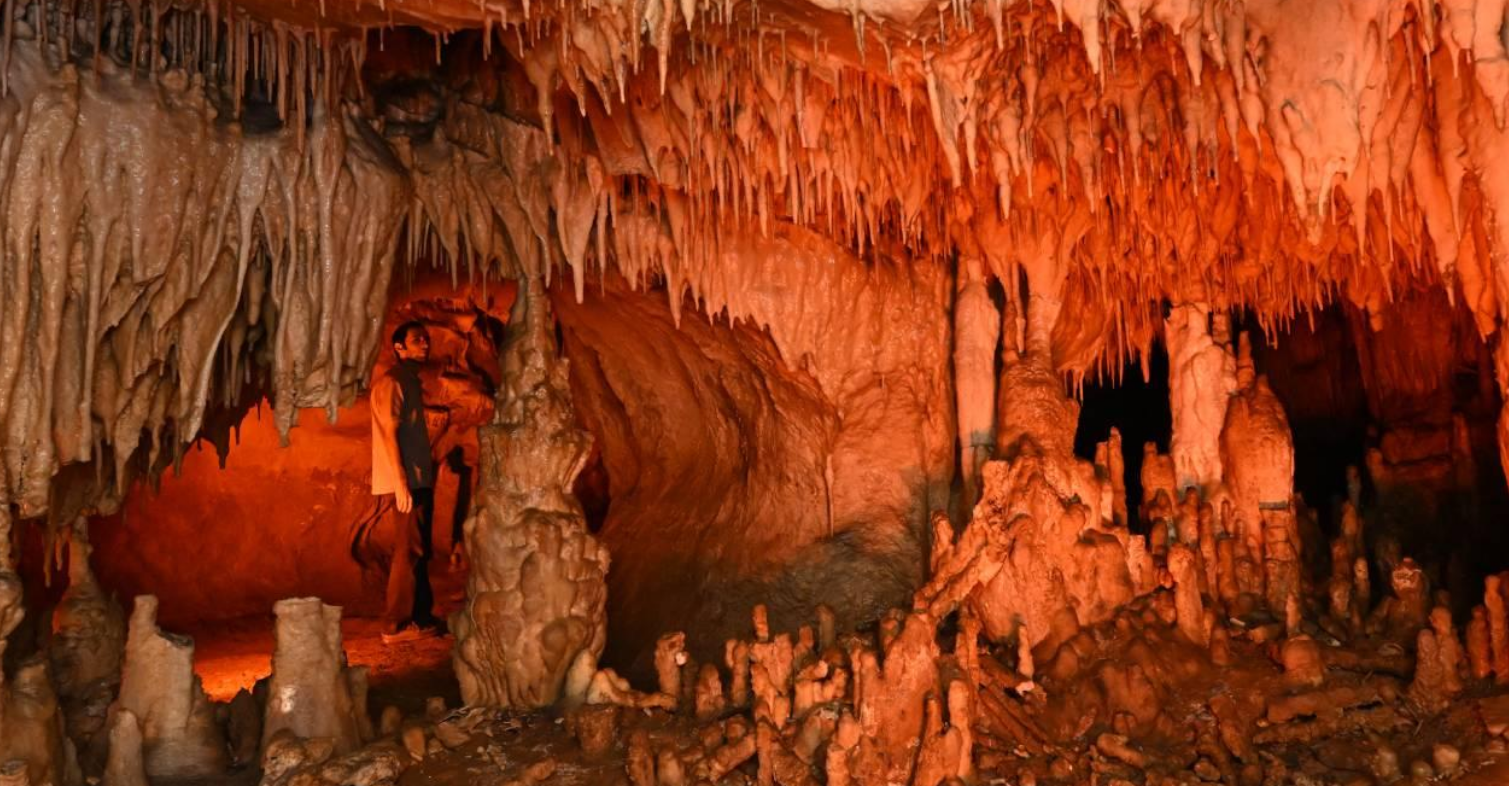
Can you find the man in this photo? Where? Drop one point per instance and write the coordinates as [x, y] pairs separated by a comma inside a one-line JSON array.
[[403, 467]]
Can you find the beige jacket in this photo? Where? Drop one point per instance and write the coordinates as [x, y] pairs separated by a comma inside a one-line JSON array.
[[387, 468]]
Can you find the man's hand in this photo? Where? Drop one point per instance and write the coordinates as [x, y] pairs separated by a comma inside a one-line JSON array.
[[403, 499]]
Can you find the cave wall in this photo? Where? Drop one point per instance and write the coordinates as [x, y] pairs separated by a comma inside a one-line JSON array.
[[276, 522], [789, 456]]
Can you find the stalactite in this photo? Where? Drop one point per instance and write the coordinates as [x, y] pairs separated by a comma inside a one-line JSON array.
[[138, 278]]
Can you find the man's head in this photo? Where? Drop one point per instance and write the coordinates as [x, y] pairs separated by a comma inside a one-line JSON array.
[[411, 341]]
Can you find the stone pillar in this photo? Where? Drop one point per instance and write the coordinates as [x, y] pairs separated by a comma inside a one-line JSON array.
[[180, 738], [1257, 454], [310, 693], [1201, 379], [977, 331], [537, 592]]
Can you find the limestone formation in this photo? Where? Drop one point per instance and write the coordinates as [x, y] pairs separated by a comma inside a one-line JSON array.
[[312, 692], [180, 736], [670, 656], [977, 329], [88, 644], [536, 592], [32, 747], [1191, 609], [778, 235], [31, 727], [1257, 454], [1202, 377], [1498, 626], [125, 766]]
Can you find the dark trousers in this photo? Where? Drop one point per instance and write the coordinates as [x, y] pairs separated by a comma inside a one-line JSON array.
[[409, 595]]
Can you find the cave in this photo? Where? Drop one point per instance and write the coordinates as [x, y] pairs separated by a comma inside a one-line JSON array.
[[792, 393]]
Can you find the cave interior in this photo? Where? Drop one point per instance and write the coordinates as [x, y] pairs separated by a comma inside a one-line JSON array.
[[863, 393]]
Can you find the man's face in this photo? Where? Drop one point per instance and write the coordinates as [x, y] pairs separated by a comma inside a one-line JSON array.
[[415, 346]]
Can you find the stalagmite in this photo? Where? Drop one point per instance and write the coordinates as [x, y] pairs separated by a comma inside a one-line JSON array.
[[670, 656], [89, 640], [203, 207], [1191, 609], [125, 767], [889, 700], [180, 737], [1281, 563], [1158, 476], [977, 327], [31, 740], [709, 702], [1404, 612], [1498, 627], [31, 728], [536, 592], [1201, 378], [1257, 454], [1428, 689], [1449, 649], [312, 692], [736, 657], [946, 755]]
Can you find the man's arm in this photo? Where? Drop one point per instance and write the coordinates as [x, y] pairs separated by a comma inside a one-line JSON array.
[[387, 401]]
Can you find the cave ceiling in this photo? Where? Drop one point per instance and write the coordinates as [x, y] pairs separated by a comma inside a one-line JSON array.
[[1271, 156]]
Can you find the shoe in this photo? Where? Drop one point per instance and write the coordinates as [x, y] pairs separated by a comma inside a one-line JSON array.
[[406, 633]]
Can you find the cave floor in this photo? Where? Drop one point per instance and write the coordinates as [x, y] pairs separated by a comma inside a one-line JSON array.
[[233, 655], [1329, 734]]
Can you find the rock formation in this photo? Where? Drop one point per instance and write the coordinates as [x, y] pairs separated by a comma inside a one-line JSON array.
[[204, 204], [536, 591], [977, 329], [1257, 451], [125, 766], [1201, 378], [32, 746], [87, 647], [180, 736], [312, 692]]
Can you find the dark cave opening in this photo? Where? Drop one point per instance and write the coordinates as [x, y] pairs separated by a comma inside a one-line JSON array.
[[1136, 407], [1409, 401]]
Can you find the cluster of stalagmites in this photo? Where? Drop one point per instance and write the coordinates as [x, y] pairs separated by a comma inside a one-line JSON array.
[[1052, 643]]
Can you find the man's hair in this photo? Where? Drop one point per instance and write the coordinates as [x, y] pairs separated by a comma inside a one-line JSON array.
[[401, 335]]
